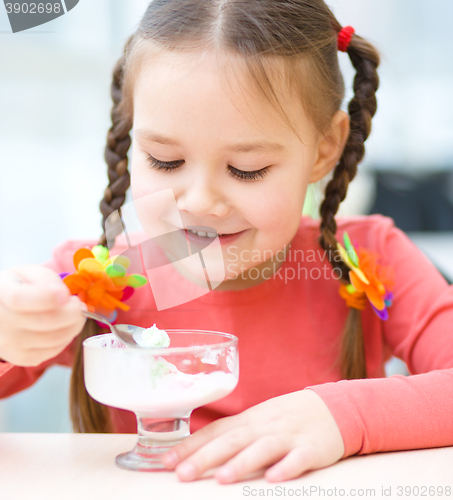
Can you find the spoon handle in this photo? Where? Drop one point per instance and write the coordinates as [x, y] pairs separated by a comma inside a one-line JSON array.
[[97, 317], [124, 336]]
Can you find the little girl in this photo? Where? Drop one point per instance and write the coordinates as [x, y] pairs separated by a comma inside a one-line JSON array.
[[235, 107]]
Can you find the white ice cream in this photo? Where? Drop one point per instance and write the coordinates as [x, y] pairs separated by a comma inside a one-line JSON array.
[[152, 337], [150, 385]]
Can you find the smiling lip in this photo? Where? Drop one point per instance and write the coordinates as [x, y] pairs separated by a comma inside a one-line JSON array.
[[224, 239]]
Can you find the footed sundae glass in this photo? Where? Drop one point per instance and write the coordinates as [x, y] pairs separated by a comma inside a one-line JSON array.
[[162, 386]]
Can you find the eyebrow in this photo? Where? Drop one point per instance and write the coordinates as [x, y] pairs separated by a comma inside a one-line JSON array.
[[257, 146]]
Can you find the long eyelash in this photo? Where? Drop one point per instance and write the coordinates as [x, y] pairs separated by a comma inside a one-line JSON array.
[[163, 165], [237, 174], [247, 175]]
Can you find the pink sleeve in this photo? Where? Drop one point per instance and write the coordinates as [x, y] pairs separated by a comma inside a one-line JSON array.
[[17, 378], [401, 413]]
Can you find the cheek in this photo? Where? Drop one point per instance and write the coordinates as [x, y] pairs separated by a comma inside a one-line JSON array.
[[145, 180], [154, 204], [278, 210], [139, 173]]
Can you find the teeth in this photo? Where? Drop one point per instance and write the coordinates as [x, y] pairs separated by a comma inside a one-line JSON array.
[[203, 233]]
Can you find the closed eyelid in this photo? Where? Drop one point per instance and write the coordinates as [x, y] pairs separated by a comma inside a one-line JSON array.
[[248, 175]]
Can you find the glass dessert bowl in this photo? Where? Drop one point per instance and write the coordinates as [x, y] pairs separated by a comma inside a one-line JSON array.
[[162, 386]]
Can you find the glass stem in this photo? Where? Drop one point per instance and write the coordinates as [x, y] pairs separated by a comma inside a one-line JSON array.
[[157, 435]]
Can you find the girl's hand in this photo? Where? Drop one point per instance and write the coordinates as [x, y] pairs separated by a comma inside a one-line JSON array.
[[38, 316], [296, 432]]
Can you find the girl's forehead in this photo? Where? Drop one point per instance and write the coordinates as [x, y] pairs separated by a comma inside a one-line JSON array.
[[190, 84], [204, 71]]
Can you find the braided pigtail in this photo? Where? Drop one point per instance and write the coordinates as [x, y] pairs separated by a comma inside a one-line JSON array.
[[88, 415], [362, 108]]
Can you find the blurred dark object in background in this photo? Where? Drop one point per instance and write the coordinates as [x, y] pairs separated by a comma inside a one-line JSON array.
[[416, 202]]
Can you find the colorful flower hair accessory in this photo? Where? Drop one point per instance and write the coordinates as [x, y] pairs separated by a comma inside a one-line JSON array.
[[368, 279], [101, 281]]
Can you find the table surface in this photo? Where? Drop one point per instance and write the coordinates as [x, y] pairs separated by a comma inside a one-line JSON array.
[[81, 466], [438, 247]]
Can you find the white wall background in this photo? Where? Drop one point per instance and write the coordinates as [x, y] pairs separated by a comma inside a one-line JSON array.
[[54, 115]]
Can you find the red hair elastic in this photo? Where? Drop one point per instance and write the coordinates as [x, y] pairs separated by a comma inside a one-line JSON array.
[[344, 38]]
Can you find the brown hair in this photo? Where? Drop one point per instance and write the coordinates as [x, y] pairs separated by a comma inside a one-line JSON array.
[[289, 42]]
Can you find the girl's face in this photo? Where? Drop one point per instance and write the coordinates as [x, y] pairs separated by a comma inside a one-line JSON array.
[[231, 161]]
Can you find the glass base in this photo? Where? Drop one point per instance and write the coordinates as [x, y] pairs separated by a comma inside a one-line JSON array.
[[155, 437], [137, 460]]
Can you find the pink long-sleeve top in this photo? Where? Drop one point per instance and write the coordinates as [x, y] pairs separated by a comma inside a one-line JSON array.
[[289, 329]]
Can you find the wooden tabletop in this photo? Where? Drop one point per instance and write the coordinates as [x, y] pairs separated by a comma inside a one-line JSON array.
[[82, 467]]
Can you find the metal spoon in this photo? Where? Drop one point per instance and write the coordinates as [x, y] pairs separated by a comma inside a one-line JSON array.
[[124, 333]]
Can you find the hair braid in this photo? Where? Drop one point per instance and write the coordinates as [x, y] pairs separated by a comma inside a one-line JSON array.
[[88, 415], [361, 109], [118, 143]]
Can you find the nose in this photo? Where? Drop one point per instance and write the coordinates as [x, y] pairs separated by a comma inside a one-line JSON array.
[[201, 196]]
